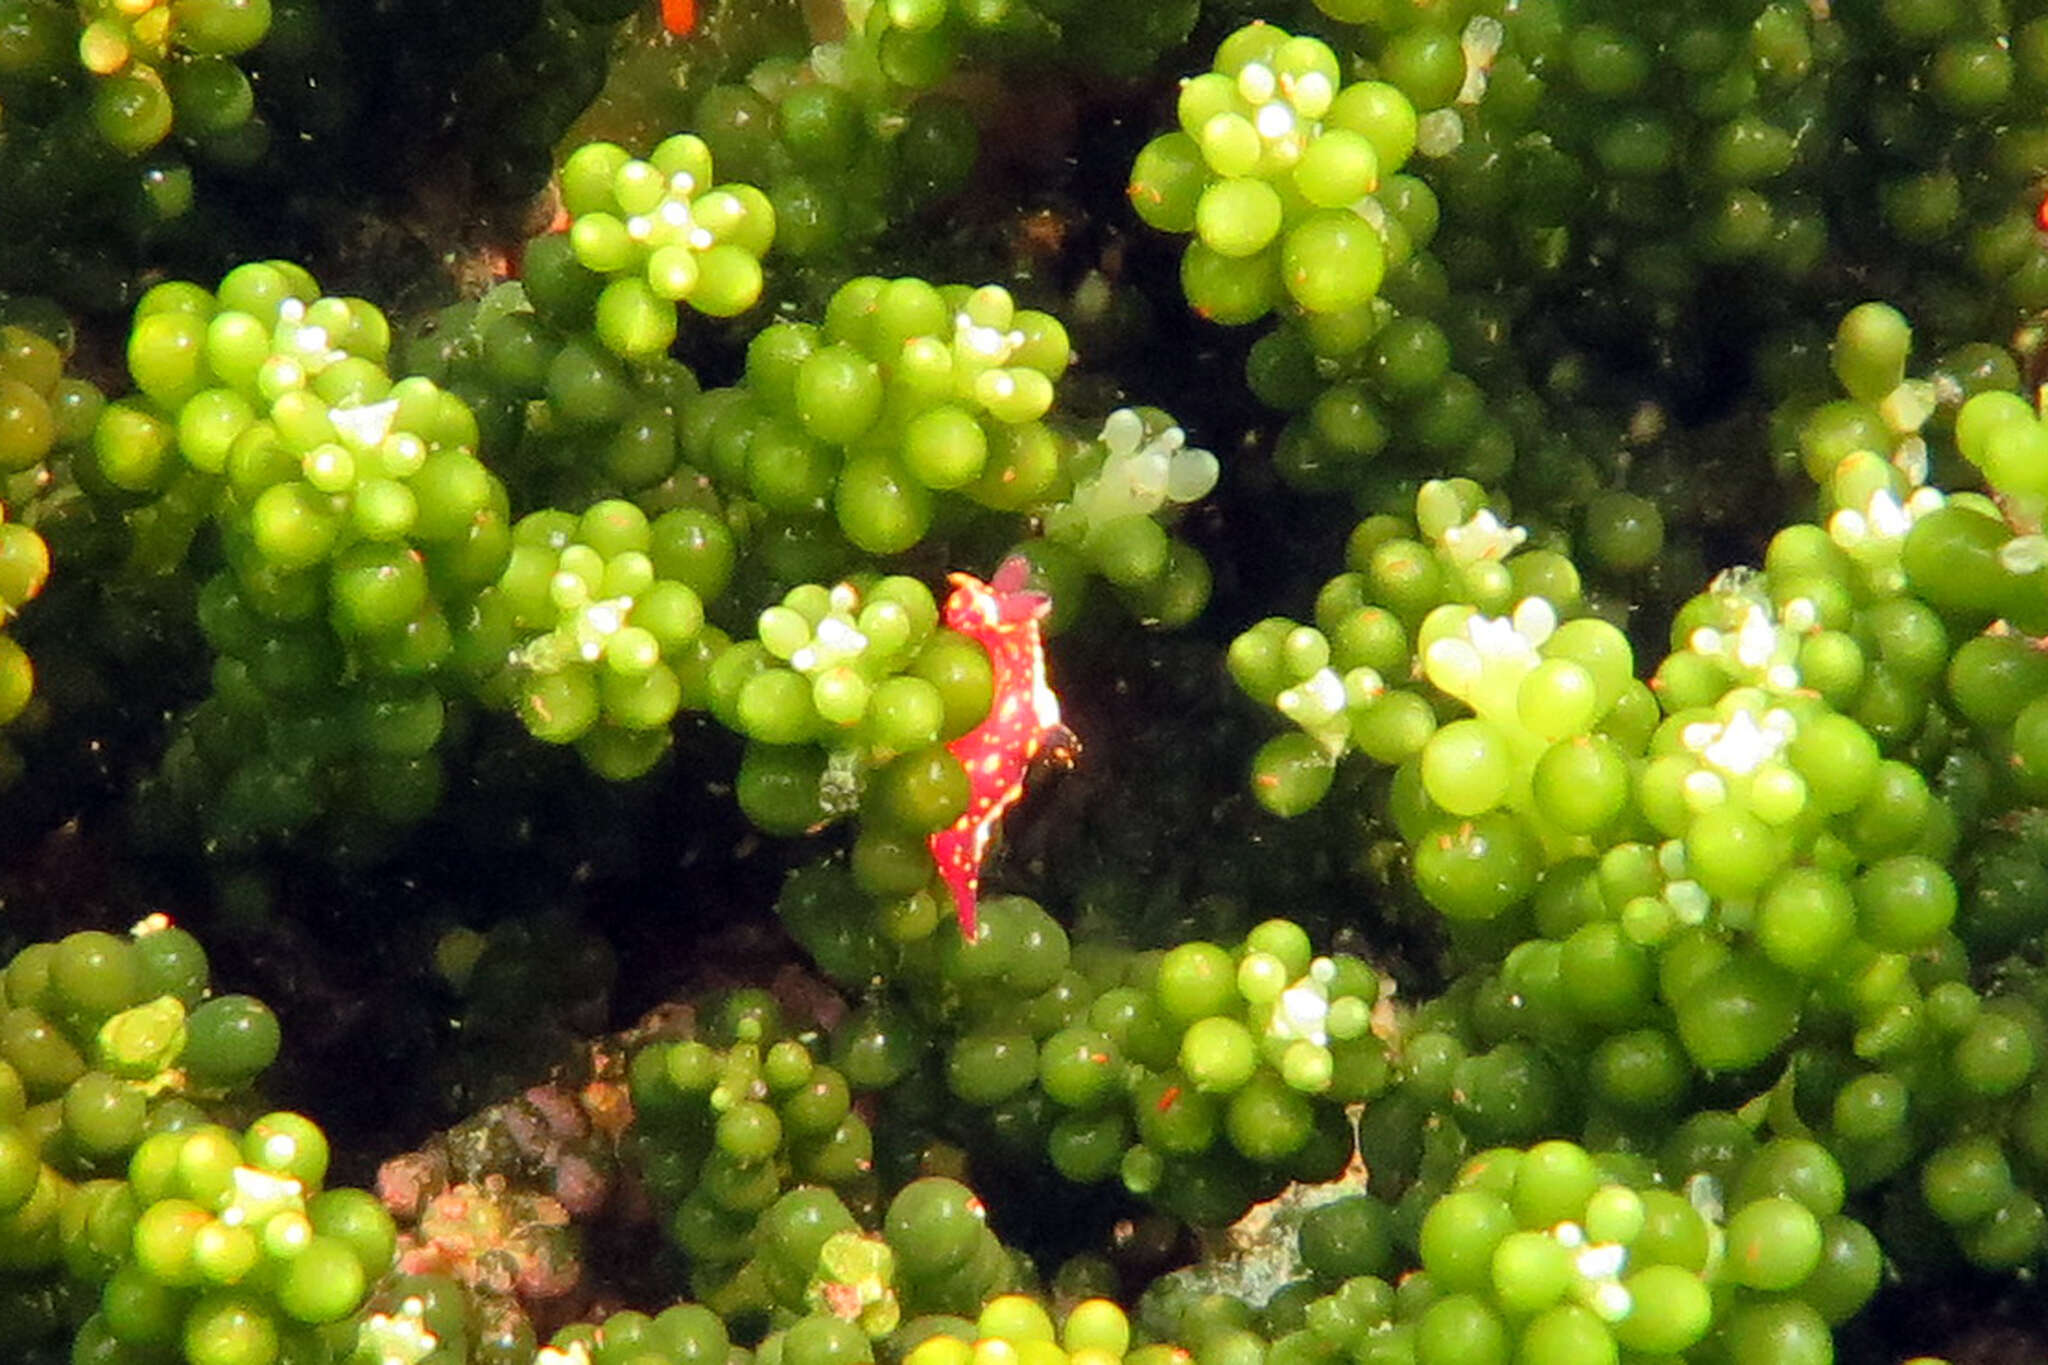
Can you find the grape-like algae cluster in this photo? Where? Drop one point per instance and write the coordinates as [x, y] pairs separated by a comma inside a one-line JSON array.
[[1538, 514]]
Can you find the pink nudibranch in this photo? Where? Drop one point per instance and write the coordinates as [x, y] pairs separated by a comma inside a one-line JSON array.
[[1002, 615]]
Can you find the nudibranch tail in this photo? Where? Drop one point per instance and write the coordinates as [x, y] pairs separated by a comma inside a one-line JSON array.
[[1001, 615]]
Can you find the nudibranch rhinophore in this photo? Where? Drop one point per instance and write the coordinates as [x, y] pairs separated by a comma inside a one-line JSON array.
[[1023, 720]]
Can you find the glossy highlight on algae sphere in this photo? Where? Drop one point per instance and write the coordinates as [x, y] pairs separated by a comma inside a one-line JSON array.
[[1002, 616]]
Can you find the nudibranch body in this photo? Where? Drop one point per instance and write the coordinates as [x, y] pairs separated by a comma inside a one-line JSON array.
[[1001, 615], [679, 17]]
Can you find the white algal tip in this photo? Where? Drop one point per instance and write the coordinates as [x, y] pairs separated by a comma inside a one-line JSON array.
[[1256, 83], [1910, 458], [1310, 93], [1483, 537], [258, 1194], [700, 239], [405, 1339], [1193, 474], [1703, 1192], [675, 214], [1569, 1235], [2024, 554], [1302, 1013], [1313, 701], [1495, 637], [1742, 743], [1481, 43], [1535, 619], [1274, 121], [1704, 790], [1145, 475], [1439, 133], [1756, 642], [837, 635], [639, 227], [1602, 1260], [1611, 1302], [1886, 515], [1452, 664], [1739, 580], [1123, 431], [986, 342], [1688, 900], [366, 426], [1907, 407]]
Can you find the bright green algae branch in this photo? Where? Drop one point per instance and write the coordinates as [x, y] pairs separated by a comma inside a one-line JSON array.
[[375, 571]]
